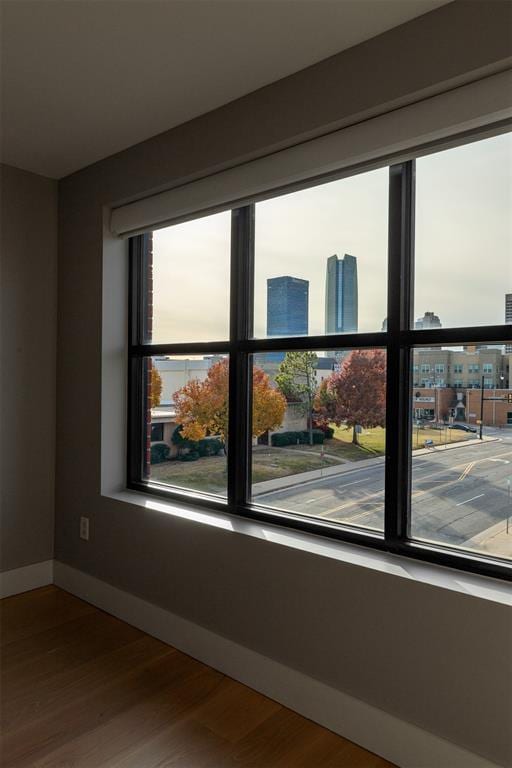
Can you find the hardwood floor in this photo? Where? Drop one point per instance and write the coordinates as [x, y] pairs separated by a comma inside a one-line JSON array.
[[81, 689]]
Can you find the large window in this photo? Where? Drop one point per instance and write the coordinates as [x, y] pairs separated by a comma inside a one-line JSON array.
[[292, 359]]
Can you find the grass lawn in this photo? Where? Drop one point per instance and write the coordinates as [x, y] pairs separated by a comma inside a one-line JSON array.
[[209, 474], [372, 441], [439, 436]]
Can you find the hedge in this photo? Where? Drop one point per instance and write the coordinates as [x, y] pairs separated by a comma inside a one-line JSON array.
[[280, 439], [208, 446]]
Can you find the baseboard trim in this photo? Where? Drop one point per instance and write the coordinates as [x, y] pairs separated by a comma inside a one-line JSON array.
[[24, 579], [402, 743]]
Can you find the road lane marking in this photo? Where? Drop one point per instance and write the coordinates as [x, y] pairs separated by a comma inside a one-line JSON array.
[[416, 494], [329, 495], [467, 470], [468, 500]]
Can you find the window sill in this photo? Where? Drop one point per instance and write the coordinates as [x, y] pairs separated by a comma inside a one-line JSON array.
[[473, 585]]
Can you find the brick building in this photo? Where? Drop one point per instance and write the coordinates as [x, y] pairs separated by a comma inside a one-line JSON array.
[[462, 369], [445, 403]]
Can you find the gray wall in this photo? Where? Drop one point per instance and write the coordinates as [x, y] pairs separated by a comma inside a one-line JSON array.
[[29, 333], [434, 658]]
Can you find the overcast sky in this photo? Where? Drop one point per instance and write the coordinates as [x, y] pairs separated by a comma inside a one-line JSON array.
[[463, 247]]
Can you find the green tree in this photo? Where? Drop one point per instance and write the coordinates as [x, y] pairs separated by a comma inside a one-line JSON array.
[[296, 379]]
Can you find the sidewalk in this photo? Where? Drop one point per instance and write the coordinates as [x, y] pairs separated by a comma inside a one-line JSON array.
[[279, 483], [494, 541], [460, 444]]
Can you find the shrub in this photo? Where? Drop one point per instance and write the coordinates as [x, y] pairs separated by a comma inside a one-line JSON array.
[[208, 446], [281, 439], [318, 436], [159, 452], [326, 429], [190, 456]]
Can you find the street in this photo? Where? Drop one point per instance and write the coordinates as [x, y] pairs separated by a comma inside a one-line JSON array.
[[460, 496]]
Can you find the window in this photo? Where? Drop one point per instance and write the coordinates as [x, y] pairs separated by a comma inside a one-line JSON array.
[[456, 264], [157, 432], [275, 351], [487, 368]]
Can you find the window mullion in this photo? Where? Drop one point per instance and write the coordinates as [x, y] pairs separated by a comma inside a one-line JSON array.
[[400, 312], [137, 384], [241, 314]]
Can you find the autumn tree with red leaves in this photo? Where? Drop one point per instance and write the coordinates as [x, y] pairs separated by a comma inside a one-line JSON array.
[[356, 395], [202, 406]]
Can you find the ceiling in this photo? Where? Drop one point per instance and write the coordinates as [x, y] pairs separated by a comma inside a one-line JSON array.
[[83, 79]]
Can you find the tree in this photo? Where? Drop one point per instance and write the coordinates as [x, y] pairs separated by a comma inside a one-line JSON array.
[[296, 379], [356, 395], [156, 387], [202, 406]]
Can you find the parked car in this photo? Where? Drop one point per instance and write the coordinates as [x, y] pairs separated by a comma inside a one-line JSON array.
[[464, 427]]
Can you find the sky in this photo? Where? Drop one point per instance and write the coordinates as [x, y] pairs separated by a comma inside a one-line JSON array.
[[463, 247]]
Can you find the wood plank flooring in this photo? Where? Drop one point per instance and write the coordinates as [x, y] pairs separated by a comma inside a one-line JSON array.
[[81, 689]]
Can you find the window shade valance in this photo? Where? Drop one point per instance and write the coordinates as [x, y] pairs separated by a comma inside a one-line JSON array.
[[395, 134]]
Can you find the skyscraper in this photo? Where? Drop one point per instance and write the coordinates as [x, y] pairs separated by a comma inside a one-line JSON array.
[[287, 306], [508, 317], [341, 294], [429, 320]]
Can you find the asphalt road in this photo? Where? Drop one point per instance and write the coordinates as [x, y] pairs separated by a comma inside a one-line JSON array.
[[456, 494]]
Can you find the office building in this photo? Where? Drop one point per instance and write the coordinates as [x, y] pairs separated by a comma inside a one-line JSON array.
[[428, 321], [461, 369], [341, 294], [287, 306]]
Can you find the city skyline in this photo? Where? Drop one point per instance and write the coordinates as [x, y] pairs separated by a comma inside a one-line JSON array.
[[463, 247]]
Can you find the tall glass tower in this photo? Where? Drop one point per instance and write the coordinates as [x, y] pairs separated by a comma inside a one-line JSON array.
[[287, 306], [341, 294]]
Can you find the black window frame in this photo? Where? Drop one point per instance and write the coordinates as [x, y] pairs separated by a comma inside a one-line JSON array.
[[398, 340]]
